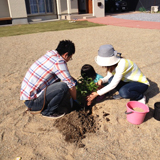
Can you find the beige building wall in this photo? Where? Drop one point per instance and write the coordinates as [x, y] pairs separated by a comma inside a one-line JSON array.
[[63, 6], [4, 11], [17, 8], [98, 8], [74, 6], [64, 9]]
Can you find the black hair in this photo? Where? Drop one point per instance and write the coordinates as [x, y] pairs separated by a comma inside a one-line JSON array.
[[88, 71], [65, 46]]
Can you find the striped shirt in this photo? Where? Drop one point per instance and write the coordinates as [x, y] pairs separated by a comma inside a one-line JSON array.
[[126, 71], [45, 71], [130, 72]]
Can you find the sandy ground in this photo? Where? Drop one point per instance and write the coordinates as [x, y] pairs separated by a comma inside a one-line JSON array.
[[35, 137]]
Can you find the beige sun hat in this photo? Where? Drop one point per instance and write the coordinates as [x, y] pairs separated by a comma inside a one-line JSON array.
[[107, 56]]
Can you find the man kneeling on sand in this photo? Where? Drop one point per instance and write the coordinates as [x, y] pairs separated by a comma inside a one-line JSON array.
[[48, 81]]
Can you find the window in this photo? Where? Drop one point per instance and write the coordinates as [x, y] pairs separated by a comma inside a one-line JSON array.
[[39, 6], [33, 6]]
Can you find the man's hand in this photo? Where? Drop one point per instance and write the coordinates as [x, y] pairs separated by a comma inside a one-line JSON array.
[[73, 92], [91, 97]]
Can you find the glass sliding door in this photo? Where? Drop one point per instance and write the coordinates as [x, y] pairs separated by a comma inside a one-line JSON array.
[[49, 5], [33, 6], [39, 6]]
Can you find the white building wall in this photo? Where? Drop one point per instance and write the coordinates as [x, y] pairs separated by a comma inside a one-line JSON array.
[[63, 6], [4, 11], [74, 6], [17, 9], [98, 11], [64, 9]]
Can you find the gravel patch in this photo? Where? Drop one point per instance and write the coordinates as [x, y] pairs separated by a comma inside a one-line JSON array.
[[155, 17]]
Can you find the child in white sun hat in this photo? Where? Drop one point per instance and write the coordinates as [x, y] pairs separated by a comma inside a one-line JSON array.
[[122, 75]]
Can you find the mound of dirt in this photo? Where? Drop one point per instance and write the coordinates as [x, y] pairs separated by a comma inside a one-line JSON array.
[[75, 125]]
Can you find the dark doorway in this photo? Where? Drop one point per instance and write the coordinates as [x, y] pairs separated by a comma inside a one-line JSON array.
[[85, 6]]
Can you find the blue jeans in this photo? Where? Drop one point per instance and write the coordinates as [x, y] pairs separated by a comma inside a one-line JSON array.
[[131, 90], [55, 93]]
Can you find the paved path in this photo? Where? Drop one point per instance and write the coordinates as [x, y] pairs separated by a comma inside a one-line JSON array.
[[116, 21]]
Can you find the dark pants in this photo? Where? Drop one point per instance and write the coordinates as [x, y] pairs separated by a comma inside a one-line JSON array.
[[131, 90], [55, 94]]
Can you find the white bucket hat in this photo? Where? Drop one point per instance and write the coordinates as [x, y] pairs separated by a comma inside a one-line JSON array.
[[107, 56]]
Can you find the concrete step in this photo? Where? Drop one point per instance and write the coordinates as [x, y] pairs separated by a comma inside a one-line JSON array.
[[77, 16]]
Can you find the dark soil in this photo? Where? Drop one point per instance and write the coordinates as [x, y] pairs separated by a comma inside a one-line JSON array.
[[75, 125], [77, 122]]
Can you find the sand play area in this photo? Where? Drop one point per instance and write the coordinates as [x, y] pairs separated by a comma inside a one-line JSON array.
[[105, 134]]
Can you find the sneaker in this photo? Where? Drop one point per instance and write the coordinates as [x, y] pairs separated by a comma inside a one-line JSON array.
[[55, 115], [117, 96], [143, 100]]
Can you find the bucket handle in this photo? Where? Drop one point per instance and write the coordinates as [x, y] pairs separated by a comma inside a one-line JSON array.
[[128, 112]]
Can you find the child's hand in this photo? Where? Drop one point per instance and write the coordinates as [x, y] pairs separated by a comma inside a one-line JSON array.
[[99, 83]]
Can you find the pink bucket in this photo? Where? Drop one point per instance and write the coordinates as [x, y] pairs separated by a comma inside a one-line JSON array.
[[136, 117]]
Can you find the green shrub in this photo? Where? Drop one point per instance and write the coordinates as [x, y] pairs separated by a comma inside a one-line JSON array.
[[142, 9], [84, 88]]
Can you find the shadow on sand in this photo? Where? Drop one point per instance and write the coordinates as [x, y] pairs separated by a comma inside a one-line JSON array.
[[152, 91]]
